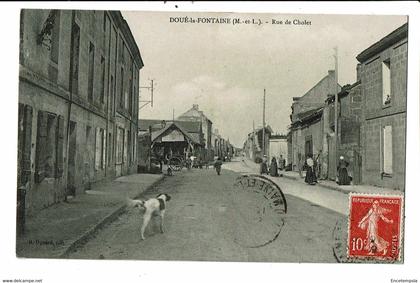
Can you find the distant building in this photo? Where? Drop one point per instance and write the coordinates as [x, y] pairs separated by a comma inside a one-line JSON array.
[[278, 147], [253, 145], [383, 75], [306, 129], [169, 138], [195, 114], [78, 102]]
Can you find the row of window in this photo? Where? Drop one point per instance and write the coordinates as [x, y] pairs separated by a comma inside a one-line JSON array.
[[125, 98], [49, 161]]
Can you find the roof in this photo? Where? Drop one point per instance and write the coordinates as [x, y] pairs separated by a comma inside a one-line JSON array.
[[194, 110], [386, 42], [189, 126], [308, 116], [268, 128], [128, 36], [195, 138], [145, 123], [344, 92], [316, 85]]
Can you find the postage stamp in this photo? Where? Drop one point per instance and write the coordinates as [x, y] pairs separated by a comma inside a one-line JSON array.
[[375, 225]]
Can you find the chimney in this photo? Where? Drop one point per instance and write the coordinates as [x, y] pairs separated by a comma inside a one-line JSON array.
[[358, 71], [195, 106], [331, 73]]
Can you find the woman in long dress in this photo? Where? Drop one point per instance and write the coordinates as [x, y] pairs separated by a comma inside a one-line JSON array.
[[273, 167], [310, 173], [375, 244], [343, 176]]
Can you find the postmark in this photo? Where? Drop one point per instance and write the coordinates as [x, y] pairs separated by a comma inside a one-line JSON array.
[[375, 227], [262, 205]]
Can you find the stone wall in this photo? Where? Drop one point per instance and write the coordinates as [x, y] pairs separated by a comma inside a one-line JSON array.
[[377, 115]]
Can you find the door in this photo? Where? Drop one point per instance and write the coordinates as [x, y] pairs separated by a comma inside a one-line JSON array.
[[308, 146]]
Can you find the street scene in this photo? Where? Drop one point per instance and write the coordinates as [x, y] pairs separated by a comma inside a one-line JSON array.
[[211, 136]]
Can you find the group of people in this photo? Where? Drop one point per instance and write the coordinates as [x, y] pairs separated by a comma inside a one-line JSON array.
[[343, 177], [274, 168]]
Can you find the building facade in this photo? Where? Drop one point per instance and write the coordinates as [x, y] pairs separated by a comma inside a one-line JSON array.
[[306, 134], [195, 114], [278, 147], [257, 144], [78, 102], [350, 115], [383, 75]]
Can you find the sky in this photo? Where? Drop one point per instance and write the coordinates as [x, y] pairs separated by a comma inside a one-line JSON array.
[[224, 68]]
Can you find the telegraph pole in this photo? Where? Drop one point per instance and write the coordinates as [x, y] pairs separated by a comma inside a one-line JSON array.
[[263, 135], [151, 87], [336, 91]]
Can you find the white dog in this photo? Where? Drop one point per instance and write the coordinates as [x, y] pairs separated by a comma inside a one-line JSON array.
[[153, 207]]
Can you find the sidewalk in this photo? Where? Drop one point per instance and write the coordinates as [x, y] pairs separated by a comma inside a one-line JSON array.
[[55, 231], [331, 185]]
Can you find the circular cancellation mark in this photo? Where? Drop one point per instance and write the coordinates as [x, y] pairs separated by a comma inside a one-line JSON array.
[[259, 209]]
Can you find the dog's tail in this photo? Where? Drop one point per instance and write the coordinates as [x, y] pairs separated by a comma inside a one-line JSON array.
[[135, 203]]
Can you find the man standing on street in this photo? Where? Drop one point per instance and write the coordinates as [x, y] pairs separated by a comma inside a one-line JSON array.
[[218, 165]]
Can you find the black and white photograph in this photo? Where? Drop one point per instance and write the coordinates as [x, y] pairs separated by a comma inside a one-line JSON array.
[[184, 135]]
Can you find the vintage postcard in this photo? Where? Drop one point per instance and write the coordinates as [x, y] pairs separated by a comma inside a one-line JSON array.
[[211, 136]]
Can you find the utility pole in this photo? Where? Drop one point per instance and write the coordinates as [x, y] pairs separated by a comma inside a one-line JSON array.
[[173, 114], [151, 87], [336, 91], [263, 134], [253, 141]]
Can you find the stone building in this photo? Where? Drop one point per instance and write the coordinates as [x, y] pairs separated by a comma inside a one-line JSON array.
[[383, 75], [195, 114], [253, 145], [350, 115], [306, 129], [78, 102], [307, 136]]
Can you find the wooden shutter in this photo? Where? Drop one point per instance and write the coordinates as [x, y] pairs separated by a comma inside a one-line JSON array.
[[41, 146], [59, 169], [27, 144], [20, 144], [97, 149], [103, 135]]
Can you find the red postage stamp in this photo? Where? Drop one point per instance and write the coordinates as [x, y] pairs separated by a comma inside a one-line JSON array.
[[375, 227]]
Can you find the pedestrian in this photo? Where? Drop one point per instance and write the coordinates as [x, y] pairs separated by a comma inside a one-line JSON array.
[[282, 163], [343, 176], [218, 165], [310, 177], [263, 166], [274, 168], [300, 165]]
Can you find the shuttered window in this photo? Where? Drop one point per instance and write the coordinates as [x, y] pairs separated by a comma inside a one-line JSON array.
[[99, 148], [387, 150], [59, 169], [24, 144], [49, 159], [41, 150]]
